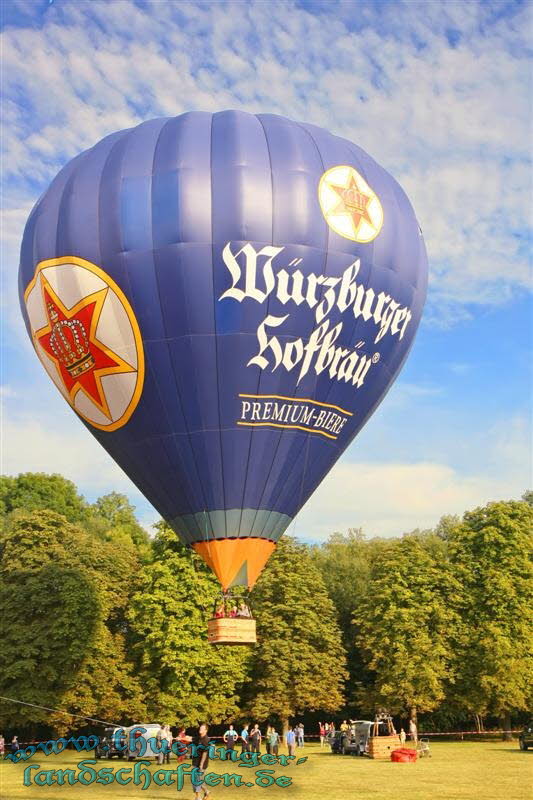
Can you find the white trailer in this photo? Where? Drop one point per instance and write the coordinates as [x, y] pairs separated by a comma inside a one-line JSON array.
[[143, 740]]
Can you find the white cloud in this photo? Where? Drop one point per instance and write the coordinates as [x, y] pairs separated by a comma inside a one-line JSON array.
[[148, 520], [388, 499], [396, 492], [52, 440], [56, 443], [452, 123], [459, 368], [403, 393]]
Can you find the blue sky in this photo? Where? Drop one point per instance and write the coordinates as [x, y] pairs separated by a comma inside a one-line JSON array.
[[439, 93]]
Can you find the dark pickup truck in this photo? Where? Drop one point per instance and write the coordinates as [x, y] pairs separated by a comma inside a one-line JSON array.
[[107, 745]]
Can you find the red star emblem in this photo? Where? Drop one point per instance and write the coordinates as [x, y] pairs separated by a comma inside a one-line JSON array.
[[69, 341], [352, 202]]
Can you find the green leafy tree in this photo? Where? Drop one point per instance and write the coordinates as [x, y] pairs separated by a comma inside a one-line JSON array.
[[299, 639], [119, 522], [33, 491], [490, 551], [63, 596], [106, 685], [446, 525], [405, 624], [116, 509], [186, 679], [527, 497], [345, 563]]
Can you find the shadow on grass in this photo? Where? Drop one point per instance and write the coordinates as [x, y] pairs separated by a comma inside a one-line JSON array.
[[348, 756]]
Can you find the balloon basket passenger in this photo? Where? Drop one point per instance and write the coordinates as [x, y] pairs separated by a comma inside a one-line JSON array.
[[232, 622]]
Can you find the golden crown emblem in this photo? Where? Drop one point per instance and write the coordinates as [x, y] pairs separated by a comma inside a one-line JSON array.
[[69, 343], [355, 199]]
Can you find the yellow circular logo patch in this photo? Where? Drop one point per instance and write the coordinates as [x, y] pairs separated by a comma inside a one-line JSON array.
[[87, 339], [350, 207]]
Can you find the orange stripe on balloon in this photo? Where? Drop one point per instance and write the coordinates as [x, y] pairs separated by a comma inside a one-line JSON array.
[[226, 557]]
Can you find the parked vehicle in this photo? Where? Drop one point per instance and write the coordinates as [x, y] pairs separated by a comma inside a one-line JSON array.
[[152, 729], [356, 739], [362, 730], [525, 739], [343, 743], [107, 746]]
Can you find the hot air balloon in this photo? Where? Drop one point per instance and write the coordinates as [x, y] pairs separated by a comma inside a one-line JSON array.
[[223, 299]]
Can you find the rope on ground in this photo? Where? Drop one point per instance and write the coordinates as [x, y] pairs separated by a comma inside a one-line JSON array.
[[59, 711]]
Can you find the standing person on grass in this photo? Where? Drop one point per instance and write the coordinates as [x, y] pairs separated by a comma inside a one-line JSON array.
[[168, 739], [322, 733], [255, 739], [160, 735], [301, 735], [183, 741], [201, 760], [273, 742], [290, 741], [230, 740], [245, 746]]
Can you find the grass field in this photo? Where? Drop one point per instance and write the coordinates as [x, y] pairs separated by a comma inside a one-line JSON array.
[[455, 771]]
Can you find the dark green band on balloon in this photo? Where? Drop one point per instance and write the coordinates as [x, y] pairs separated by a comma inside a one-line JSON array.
[[232, 523]]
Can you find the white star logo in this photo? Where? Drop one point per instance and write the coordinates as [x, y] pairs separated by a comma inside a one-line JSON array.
[[350, 207]]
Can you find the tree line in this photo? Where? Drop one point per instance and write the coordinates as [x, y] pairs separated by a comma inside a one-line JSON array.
[[100, 619]]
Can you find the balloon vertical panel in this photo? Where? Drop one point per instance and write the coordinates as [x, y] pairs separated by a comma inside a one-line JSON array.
[[242, 210]]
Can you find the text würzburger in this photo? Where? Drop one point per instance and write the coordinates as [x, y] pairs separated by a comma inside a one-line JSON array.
[[255, 275]]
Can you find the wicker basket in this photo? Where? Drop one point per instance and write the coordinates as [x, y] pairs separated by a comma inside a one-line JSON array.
[[231, 630], [382, 746]]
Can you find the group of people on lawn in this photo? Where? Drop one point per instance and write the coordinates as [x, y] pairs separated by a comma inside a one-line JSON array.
[[250, 740]]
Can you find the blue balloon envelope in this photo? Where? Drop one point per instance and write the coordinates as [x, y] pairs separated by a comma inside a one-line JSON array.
[[224, 299]]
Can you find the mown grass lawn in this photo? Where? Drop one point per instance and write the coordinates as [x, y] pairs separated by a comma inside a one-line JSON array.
[[455, 771]]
